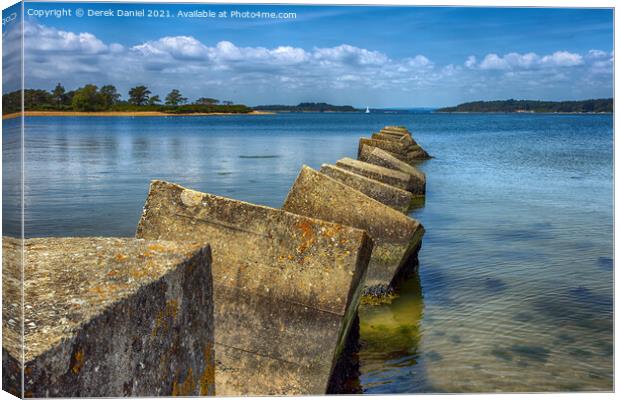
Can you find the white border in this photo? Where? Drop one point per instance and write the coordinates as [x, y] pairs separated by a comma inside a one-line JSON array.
[[474, 3]]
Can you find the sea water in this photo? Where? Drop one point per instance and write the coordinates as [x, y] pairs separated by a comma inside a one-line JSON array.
[[515, 286]]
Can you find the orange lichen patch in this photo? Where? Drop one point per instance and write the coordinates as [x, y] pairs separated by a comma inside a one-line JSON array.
[[207, 379], [156, 247], [77, 361], [145, 255], [307, 235], [97, 290], [186, 388]]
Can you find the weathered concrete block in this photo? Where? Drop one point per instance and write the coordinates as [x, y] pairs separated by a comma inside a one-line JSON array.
[[398, 132], [404, 139], [389, 195], [404, 152], [286, 287], [382, 158], [388, 176], [397, 237], [12, 306], [396, 129], [109, 317]]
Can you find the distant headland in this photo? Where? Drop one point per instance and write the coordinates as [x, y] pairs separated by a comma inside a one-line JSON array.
[[533, 106], [307, 107], [91, 100], [105, 101]]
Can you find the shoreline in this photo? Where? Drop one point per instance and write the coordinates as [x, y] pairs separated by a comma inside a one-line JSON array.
[[122, 114], [521, 112]]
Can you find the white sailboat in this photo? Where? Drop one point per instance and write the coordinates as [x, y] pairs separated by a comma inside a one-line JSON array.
[[367, 110]]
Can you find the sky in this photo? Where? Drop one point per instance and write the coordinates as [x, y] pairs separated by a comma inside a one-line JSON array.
[[362, 56]]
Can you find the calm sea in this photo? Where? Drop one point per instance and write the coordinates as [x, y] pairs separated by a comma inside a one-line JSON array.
[[514, 291]]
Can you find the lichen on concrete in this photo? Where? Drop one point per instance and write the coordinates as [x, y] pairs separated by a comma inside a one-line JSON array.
[[391, 196], [396, 236], [399, 142], [382, 158], [111, 317], [405, 152], [398, 138], [286, 287], [389, 176]]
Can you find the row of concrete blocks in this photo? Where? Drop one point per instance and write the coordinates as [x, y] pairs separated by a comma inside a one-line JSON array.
[[267, 307]]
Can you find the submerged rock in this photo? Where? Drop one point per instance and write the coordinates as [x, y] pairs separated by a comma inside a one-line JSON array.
[[391, 196], [109, 317], [397, 238], [286, 288]]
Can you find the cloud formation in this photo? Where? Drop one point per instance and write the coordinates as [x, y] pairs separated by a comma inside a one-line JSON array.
[[516, 61], [342, 73]]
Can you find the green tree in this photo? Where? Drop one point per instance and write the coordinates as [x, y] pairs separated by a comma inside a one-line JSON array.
[[58, 94], [88, 99], [227, 103], [139, 95], [174, 98], [35, 99], [67, 98], [110, 95], [154, 100], [207, 101]]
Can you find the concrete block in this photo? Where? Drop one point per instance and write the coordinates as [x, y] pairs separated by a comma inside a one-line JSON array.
[[386, 175], [382, 158], [391, 196], [396, 237], [407, 153], [286, 287], [404, 139], [110, 317], [396, 129]]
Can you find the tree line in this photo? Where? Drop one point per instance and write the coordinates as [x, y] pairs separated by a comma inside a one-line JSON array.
[[307, 107], [90, 98], [582, 106]]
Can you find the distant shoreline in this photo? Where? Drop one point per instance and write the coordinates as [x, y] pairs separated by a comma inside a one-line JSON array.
[[590, 106], [522, 112], [122, 114]]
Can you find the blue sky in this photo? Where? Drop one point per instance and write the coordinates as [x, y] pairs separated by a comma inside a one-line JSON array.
[[375, 56]]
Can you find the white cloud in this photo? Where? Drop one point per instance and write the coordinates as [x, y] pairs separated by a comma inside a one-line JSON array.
[[419, 61], [52, 39], [346, 54], [11, 58], [597, 54], [562, 59], [493, 61], [516, 61], [225, 52], [177, 47], [471, 62], [225, 69]]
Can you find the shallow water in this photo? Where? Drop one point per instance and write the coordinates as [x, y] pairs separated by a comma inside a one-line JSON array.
[[514, 291]]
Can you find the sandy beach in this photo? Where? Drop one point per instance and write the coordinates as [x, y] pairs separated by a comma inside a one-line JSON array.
[[122, 114]]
